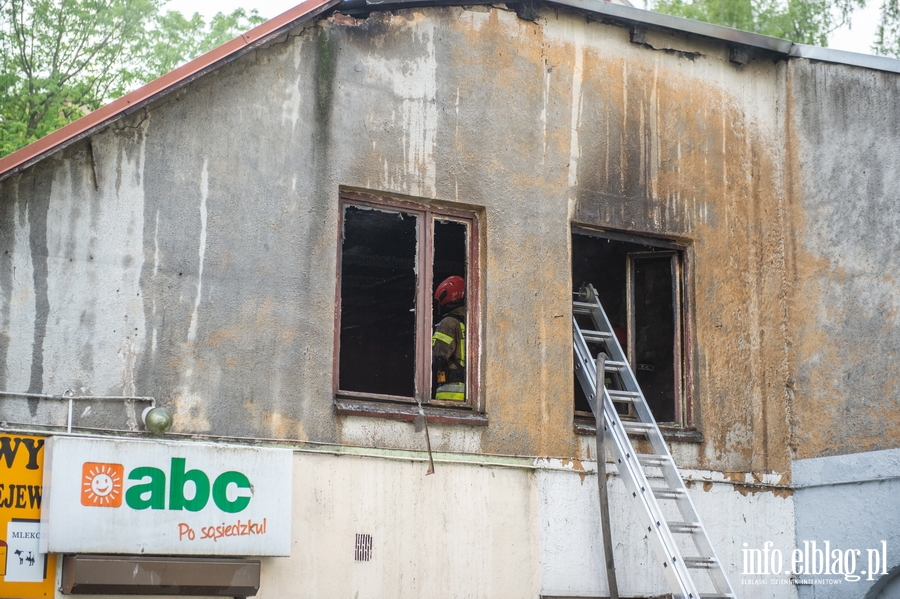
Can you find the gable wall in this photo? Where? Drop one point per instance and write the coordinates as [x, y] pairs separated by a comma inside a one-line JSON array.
[[188, 253]]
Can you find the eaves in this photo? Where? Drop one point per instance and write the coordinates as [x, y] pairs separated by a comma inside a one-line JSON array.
[[637, 17]]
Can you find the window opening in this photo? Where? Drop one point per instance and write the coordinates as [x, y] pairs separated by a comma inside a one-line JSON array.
[[639, 285], [448, 343], [378, 302], [395, 340]]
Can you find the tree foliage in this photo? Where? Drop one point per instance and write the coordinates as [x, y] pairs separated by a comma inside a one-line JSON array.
[[887, 37], [60, 59], [177, 39], [801, 21]]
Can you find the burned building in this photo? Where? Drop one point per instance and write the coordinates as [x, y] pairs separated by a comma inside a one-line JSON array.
[[254, 241]]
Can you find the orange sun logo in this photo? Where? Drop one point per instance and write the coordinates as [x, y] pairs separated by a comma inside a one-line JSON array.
[[101, 484]]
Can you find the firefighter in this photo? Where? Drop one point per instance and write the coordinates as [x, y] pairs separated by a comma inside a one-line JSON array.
[[448, 345]]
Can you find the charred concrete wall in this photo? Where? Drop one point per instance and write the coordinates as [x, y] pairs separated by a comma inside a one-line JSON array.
[[188, 253]]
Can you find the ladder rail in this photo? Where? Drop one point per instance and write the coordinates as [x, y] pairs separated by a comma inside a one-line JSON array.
[[636, 483], [675, 566]]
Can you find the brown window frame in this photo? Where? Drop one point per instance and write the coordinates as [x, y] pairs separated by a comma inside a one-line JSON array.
[[373, 404], [682, 275]]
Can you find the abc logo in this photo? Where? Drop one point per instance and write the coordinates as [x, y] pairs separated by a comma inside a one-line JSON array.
[[102, 486]]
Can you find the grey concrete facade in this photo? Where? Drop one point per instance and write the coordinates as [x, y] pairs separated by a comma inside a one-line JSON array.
[[856, 495], [845, 181]]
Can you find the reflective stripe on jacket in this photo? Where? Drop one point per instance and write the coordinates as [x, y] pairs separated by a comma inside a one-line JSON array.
[[448, 345], [451, 392]]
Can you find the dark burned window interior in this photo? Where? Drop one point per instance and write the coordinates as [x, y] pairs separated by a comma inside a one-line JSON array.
[[392, 259], [639, 285], [378, 302]]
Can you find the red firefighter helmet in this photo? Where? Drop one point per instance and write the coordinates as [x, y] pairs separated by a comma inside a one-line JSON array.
[[452, 289]]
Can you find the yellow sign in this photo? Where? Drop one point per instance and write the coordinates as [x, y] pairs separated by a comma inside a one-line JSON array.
[[25, 573]]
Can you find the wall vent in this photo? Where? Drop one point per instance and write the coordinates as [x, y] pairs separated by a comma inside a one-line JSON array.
[[363, 552]]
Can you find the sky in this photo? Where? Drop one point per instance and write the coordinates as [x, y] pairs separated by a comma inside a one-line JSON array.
[[857, 39], [860, 37]]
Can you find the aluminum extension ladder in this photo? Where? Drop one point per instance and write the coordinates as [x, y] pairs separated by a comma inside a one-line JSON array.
[[667, 497]]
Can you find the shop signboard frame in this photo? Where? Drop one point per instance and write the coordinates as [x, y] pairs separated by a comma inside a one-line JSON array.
[[161, 497]]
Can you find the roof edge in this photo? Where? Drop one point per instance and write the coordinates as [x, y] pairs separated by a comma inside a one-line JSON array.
[[868, 61], [137, 99], [733, 36], [680, 24], [639, 16], [616, 12]]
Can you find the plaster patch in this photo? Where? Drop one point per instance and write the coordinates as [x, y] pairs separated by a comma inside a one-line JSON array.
[[290, 108], [544, 101], [22, 308], [456, 439], [204, 193], [575, 119], [189, 409], [367, 432], [414, 83], [95, 257]]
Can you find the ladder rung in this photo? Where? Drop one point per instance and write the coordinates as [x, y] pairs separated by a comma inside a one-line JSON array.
[[613, 366], [668, 493], [651, 459], [639, 428], [615, 394], [595, 336], [624, 396], [582, 307], [704, 563], [683, 527]]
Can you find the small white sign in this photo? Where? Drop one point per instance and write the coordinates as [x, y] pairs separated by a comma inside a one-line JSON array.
[[24, 560], [165, 497]]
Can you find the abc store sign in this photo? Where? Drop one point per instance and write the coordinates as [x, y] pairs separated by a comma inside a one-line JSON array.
[[164, 497]]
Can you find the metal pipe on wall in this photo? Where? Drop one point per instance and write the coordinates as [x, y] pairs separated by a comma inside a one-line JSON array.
[[69, 396]]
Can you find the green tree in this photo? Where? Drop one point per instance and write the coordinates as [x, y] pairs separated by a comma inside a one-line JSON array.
[[60, 59], [177, 39], [887, 37], [801, 21]]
